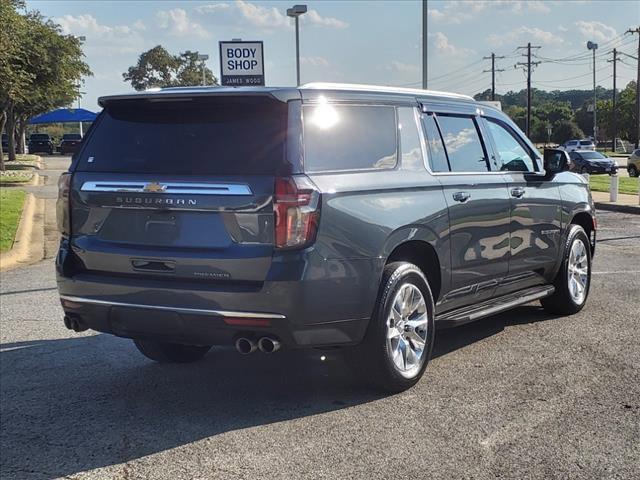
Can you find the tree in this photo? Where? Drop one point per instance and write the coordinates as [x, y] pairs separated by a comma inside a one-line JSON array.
[[158, 68], [39, 71]]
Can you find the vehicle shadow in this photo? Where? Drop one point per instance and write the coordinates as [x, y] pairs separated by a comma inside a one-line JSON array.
[[71, 405]]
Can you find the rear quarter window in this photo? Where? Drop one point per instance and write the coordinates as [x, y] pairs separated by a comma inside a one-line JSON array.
[[349, 137]]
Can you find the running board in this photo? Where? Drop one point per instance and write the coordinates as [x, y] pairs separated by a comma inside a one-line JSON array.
[[491, 307]]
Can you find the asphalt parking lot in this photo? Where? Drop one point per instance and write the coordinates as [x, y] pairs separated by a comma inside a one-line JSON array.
[[520, 395]]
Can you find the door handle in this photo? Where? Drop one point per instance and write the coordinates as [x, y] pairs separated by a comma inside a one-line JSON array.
[[517, 192], [461, 196]]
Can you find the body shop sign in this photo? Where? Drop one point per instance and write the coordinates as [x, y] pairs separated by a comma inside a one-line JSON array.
[[241, 64]]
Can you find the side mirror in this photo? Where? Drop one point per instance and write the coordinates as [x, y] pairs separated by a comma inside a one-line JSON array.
[[555, 161]]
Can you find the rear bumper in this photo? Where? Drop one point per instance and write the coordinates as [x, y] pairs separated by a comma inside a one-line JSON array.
[[316, 309]]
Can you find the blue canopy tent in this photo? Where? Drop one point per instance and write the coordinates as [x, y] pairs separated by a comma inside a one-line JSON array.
[[65, 115]]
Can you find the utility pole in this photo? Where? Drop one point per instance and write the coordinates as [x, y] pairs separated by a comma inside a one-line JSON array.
[[493, 73], [615, 112], [637, 31], [425, 14], [529, 64]]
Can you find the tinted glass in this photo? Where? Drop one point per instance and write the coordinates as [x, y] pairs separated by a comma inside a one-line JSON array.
[[230, 135], [39, 136], [593, 155], [572, 143], [512, 156], [71, 136], [349, 137], [437, 156], [410, 147], [586, 142], [462, 142]]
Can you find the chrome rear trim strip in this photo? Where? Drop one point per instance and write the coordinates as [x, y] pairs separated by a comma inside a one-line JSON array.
[[168, 187], [192, 311]]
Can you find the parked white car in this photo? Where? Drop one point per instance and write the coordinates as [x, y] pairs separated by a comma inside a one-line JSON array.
[[573, 145]]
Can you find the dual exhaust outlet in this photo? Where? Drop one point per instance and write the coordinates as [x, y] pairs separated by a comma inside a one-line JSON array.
[[245, 345]]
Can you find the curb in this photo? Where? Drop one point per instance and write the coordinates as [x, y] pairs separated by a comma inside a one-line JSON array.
[[24, 246], [617, 207]]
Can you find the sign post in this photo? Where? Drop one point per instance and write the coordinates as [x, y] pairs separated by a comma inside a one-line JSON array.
[[241, 64]]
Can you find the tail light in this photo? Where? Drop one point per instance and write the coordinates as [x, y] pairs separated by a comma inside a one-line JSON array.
[[63, 213], [297, 212]]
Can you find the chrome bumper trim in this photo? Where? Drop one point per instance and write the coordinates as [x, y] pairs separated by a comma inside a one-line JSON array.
[[193, 311]]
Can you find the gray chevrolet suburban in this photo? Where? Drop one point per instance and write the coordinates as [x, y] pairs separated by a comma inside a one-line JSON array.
[[319, 216]]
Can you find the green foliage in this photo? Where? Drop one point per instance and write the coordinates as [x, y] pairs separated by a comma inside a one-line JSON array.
[[40, 68], [158, 68], [567, 113]]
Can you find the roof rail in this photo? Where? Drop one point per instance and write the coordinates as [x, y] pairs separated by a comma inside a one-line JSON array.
[[379, 88]]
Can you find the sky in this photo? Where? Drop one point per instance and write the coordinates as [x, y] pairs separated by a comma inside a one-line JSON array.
[[376, 42]]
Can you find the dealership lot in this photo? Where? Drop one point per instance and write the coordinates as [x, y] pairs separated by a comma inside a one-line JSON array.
[[523, 394]]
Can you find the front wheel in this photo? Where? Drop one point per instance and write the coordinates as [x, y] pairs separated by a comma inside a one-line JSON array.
[[399, 340], [633, 171], [165, 352], [574, 278]]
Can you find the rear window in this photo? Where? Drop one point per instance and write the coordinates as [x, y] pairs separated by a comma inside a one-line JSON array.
[[71, 136], [39, 136], [349, 137], [586, 142], [210, 136]]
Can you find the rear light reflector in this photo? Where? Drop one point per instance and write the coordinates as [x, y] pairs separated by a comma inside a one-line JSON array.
[[297, 212], [63, 214], [248, 322]]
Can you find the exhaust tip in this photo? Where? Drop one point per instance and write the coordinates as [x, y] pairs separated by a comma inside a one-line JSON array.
[[75, 324], [268, 345], [245, 346]]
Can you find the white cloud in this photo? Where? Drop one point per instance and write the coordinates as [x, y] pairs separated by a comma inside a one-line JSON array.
[[401, 67], [88, 24], [457, 11], [534, 33], [312, 17], [314, 61], [176, 22], [107, 40], [596, 30], [244, 13], [442, 45]]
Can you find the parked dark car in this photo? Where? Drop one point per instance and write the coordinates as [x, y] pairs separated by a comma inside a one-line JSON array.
[[40, 143], [585, 161], [69, 143], [312, 217], [5, 142]]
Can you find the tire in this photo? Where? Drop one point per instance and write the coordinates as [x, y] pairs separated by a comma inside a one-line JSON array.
[[164, 352], [568, 298], [633, 171], [377, 358]]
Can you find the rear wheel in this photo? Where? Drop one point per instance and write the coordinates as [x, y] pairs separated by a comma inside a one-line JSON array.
[[574, 278], [399, 340], [165, 352], [633, 171]]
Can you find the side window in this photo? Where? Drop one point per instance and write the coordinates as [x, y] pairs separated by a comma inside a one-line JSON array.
[[512, 156], [436, 153], [463, 145], [410, 148], [349, 137]]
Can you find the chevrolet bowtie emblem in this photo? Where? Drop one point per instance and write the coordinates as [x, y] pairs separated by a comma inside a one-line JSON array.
[[154, 187]]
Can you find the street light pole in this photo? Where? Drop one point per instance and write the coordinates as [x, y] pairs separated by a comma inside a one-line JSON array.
[[203, 58], [295, 13], [594, 47]]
